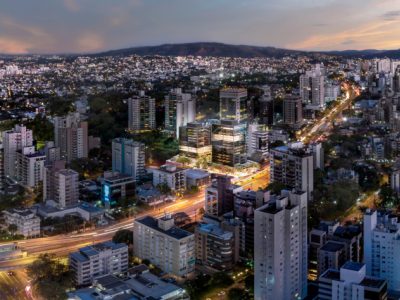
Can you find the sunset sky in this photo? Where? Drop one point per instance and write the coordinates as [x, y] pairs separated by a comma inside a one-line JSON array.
[[65, 26]]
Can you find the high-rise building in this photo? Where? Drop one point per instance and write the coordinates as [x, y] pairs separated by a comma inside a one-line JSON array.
[[257, 141], [266, 107], [14, 140], [195, 140], [214, 246], [312, 86], [96, 260], [382, 247], [219, 196], [293, 111], [2, 176], [280, 248], [168, 247], [142, 113], [180, 109], [30, 167], [71, 136], [293, 167], [61, 185], [229, 141], [233, 105], [128, 157], [351, 282]]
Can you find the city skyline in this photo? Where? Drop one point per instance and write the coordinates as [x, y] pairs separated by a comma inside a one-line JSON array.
[[95, 26]]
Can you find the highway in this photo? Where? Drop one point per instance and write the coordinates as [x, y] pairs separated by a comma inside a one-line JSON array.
[[62, 245]]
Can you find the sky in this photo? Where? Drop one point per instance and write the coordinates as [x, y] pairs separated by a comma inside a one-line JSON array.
[[81, 26]]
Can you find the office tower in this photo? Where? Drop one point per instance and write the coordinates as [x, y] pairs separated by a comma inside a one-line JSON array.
[[142, 113], [28, 224], [396, 80], [71, 136], [293, 167], [99, 259], [30, 166], [351, 282], [128, 157], [171, 176], [332, 92], [14, 140], [168, 247], [280, 248], [229, 140], [195, 140], [2, 176], [219, 196], [116, 186], [180, 109], [312, 86], [233, 105], [61, 185], [293, 111], [257, 141], [214, 246], [52, 152], [266, 107], [382, 247]]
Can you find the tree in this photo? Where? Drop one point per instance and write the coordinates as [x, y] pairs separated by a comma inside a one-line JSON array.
[[50, 278], [238, 294], [123, 236], [12, 228]]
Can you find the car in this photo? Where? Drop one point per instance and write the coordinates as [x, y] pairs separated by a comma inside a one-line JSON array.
[[11, 273]]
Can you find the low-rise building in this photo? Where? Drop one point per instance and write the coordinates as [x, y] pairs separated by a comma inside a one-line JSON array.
[[26, 221], [116, 186], [351, 282], [100, 259], [172, 176], [135, 284]]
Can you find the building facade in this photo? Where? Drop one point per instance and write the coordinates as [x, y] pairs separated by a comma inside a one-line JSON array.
[[165, 245], [280, 260], [128, 157], [141, 113]]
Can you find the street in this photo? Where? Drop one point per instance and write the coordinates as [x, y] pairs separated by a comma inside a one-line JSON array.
[[13, 285]]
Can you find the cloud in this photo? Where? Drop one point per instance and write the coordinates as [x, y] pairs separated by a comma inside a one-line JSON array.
[[12, 46], [391, 15]]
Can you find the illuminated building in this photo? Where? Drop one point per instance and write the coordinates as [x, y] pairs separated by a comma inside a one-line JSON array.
[[30, 167], [293, 111], [229, 141], [116, 186], [195, 140], [312, 86], [233, 105], [170, 175]]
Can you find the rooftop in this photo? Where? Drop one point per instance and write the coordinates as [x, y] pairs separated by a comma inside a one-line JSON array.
[[332, 247], [353, 266], [174, 232]]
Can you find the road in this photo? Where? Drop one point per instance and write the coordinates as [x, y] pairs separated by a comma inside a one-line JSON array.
[[12, 287], [62, 245], [313, 132]]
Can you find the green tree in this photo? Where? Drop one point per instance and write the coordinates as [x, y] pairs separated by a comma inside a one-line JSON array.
[[123, 236]]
